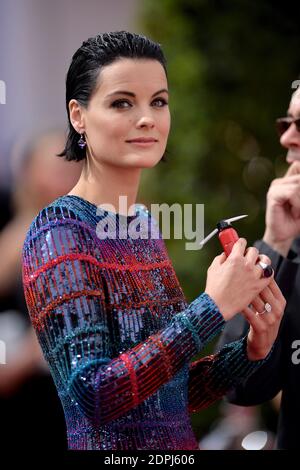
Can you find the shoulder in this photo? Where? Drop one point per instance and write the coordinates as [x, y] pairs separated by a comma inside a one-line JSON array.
[[59, 215], [54, 213]]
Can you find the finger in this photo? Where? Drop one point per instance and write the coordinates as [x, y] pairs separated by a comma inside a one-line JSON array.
[[257, 322], [288, 196], [294, 202], [284, 193], [258, 304], [218, 260], [287, 179], [273, 286], [253, 320], [238, 248], [264, 259], [295, 212], [293, 169], [263, 282], [288, 193], [266, 269], [264, 272], [251, 254], [294, 199], [268, 298]]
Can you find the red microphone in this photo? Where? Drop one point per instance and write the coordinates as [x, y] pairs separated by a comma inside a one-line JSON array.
[[227, 236]]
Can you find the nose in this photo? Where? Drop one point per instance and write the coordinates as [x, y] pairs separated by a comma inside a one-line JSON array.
[[145, 122], [291, 137]]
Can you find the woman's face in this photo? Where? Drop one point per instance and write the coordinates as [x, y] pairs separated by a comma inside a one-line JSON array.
[[130, 102]]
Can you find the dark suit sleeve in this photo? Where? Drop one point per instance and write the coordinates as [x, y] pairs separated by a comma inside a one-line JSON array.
[[266, 382], [286, 269]]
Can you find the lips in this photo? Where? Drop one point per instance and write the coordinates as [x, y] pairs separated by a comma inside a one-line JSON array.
[[142, 140]]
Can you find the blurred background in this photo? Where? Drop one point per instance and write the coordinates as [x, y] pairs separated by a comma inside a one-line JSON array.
[[231, 67]]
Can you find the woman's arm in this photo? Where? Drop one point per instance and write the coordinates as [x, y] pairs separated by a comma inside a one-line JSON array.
[[214, 376]]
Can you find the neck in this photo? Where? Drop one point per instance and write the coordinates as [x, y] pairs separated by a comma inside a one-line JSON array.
[[103, 184]]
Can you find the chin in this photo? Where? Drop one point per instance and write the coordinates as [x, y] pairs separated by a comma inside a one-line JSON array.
[[149, 163], [144, 161]]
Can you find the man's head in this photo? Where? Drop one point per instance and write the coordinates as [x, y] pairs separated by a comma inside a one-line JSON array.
[[290, 138]]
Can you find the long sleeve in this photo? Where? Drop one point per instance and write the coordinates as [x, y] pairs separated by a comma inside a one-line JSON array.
[[216, 375], [286, 269], [66, 289]]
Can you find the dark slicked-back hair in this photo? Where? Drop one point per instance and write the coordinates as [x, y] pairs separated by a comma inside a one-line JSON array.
[[87, 63]]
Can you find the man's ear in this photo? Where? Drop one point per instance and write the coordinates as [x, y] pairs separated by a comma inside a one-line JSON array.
[[76, 116]]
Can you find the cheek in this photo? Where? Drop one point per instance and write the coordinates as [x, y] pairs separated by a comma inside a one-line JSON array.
[[166, 124], [112, 129]]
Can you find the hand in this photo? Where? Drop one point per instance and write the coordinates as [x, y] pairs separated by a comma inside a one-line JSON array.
[[234, 281], [264, 327], [283, 210]]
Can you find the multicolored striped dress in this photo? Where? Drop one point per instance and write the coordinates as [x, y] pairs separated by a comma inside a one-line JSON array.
[[117, 331]]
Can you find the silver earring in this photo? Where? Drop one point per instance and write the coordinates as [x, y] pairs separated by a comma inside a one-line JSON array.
[[81, 142]]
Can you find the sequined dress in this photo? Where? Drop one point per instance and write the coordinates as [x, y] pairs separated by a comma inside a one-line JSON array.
[[117, 331]]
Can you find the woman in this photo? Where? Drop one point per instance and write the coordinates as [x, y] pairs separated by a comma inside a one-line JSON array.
[[109, 313]]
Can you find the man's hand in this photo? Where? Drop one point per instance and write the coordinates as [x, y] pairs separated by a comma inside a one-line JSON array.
[[264, 326], [283, 210]]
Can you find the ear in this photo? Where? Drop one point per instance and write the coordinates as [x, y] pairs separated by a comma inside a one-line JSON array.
[[76, 116]]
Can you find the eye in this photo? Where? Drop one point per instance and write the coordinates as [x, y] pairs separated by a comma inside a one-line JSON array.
[[160, 102], [122, 104]]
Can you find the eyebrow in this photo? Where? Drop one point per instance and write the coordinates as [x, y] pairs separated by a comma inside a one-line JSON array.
[[129, 93]]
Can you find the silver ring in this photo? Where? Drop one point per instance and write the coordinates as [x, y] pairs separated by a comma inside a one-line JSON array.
[[267, 309], [267, 269]]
